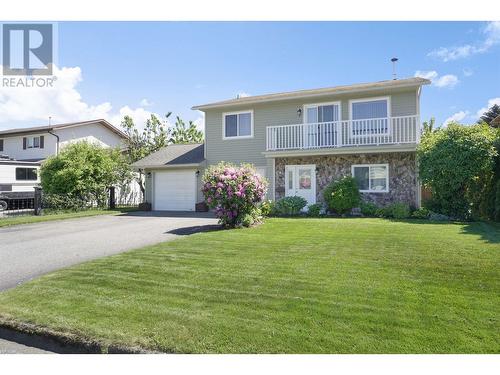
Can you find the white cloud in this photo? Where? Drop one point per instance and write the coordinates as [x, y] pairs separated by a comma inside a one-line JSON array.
[[491, 38], [429, 74], [200, 121], [448, 80], [468, 72], [456, 117], [145, 103], [27, 106], [490, 104], [242, 94], [139, 115]]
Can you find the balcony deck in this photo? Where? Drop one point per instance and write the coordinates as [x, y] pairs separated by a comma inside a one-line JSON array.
[[403, 130]]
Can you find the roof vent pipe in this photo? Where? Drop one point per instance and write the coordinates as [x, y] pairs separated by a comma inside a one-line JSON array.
[[394, 60]]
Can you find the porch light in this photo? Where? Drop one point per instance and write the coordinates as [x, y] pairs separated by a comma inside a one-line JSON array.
[[299, 112]]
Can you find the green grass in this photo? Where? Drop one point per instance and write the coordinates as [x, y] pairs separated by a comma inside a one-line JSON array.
[[30, 219], [288, 286]]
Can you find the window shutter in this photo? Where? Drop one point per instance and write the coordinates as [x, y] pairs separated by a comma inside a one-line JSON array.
[[24, 143], [41, 141]]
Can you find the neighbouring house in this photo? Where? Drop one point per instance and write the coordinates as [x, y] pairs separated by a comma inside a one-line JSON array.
[[38, 143], [301, 141], [26, 149]]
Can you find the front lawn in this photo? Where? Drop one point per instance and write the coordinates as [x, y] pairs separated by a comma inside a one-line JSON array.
[[30, 219], [288, 286]]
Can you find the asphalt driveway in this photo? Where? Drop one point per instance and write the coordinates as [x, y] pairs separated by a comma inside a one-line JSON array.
[[31, 250]]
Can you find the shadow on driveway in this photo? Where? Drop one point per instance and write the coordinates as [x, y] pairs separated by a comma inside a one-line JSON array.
[[186, 231]]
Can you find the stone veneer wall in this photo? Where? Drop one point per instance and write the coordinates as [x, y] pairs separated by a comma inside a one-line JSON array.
[[402, 174]]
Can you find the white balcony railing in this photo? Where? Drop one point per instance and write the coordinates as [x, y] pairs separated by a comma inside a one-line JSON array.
[[372, 132]]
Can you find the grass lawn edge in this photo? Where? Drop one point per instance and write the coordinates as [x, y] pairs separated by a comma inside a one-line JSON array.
[[24, 220], [70, 342]]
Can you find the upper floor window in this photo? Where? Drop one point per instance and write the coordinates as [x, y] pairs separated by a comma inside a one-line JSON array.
[[33, 142], [371, 178], [370, 116], [26, 174], [324, 112], [1, 145], [238, 125]]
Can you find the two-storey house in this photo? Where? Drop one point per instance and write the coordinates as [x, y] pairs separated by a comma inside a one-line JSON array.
[[301, 141], [23, 149]]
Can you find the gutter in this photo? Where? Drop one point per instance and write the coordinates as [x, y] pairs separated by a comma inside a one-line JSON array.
[[57, 143]]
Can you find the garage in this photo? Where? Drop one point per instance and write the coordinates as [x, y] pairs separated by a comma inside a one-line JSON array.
[[172, 177], [174, 190]]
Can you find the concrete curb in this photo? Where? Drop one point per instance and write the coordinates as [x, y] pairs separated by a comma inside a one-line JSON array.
[[38, 337]]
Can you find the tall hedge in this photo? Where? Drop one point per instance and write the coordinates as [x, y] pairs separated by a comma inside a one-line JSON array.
[[457, 163], [84, 171]]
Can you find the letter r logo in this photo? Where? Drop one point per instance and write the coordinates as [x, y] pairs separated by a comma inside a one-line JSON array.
[[27, 49]]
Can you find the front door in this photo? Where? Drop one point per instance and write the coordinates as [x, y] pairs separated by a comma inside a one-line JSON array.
[[301, 180]]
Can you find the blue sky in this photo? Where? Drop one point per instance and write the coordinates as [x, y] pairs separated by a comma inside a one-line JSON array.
[[114, 68]]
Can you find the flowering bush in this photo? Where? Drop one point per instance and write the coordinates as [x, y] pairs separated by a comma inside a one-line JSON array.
[[234, 193]]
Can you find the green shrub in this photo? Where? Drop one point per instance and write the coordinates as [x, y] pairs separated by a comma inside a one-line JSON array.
[[247, 220], [267, 208], [368, 208], [421, 213], [314, 210], [67, 202], [400, 210], [342, 196], [438, 217], [84, 170], [497, 202], [457, 163], [394, 210], [384, 212], [290, 205]]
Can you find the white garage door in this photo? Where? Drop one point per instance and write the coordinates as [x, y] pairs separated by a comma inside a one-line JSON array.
[[174, 190]]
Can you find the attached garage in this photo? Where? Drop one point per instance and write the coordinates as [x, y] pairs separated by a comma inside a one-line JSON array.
[[174, 190], [173, 177]]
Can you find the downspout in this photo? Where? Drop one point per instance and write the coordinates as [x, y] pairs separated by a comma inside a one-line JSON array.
[[57, 143]]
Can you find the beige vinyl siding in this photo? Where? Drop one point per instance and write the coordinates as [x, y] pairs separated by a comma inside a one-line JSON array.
[[249, 150]]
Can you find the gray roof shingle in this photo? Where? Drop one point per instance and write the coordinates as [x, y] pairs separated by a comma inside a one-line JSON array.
[[405, 82], [45, 128], [173, 155]]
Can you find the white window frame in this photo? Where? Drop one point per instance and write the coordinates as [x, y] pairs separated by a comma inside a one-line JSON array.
[[370, 99], [386, 165], [305, 107], [30, 142], [238, 125]]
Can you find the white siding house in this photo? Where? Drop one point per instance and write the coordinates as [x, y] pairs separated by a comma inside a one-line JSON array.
[[24, 148], [38, 143]]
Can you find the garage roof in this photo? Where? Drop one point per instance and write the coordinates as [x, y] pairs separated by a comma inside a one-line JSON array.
[[173, 156]]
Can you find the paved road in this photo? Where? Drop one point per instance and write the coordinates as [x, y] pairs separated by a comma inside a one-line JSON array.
[[28, 251], [9, 347]]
